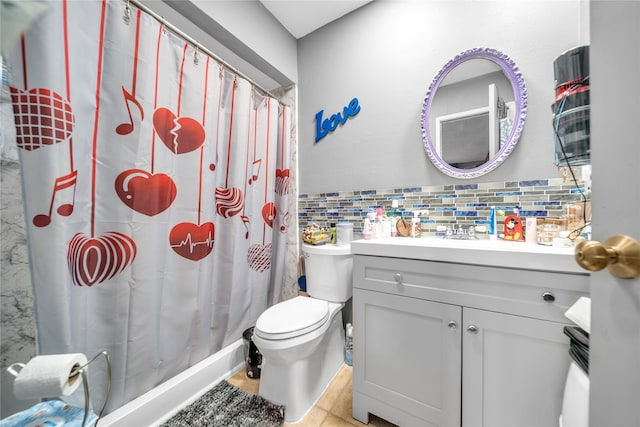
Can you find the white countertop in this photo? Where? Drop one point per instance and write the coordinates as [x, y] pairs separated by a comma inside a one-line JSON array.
[[497, 253]]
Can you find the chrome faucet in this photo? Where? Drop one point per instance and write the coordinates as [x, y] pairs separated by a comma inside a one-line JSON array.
[[460, 233]]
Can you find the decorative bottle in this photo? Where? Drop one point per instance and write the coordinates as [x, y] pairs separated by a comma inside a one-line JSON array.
[[377, 228], [416, 229]]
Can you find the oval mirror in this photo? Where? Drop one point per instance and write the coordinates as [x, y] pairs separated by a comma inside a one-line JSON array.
[[473, 113]]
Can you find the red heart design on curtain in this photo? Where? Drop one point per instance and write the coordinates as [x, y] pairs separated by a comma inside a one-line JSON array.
[[93, 260], [269, 213], [42, 118], [192, 241], [179, 134], [282, 181], [229, 201], [144, 192], [259, 257]]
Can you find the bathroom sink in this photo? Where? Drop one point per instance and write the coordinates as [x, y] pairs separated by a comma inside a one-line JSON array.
[[497, 253]]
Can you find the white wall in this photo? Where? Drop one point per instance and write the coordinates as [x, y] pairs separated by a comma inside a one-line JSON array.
[[252, 23], [387, 53]]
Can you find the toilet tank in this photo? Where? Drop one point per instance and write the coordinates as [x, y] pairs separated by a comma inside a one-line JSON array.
[[328, 271]]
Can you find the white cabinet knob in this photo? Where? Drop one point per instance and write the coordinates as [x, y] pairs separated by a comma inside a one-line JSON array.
[[472, 329], [452, 324]]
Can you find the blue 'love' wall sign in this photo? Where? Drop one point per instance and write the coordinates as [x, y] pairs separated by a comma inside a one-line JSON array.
[[323, 127]]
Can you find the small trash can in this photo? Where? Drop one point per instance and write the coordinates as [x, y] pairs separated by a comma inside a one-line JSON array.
[[252, 356]]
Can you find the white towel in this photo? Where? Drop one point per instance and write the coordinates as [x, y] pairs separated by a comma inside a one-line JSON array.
[[580, 313]]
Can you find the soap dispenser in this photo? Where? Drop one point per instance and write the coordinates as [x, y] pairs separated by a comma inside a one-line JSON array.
[[369, 223]]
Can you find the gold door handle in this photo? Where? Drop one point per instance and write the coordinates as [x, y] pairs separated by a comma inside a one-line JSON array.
[[619, 254]]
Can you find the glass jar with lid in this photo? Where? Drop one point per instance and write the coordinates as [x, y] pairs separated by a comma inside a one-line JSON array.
[[547, 229], [572, 217]]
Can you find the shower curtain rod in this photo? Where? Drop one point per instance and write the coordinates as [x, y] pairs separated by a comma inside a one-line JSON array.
[[193, 42]]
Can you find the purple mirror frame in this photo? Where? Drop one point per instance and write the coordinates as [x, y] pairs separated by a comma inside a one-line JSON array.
[[520, 95]]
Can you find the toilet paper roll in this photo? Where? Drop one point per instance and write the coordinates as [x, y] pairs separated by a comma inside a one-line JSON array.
[[48, 376]]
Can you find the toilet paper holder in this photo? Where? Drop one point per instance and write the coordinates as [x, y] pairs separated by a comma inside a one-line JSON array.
[[81, 370], [76, 372]]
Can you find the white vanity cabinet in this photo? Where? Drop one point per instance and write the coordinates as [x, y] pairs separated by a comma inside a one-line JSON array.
[[440, 343]]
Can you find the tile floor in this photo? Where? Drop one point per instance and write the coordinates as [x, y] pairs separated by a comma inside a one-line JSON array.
[[333, 409]]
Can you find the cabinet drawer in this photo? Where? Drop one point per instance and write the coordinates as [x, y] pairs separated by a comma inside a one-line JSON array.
[[504, 290]]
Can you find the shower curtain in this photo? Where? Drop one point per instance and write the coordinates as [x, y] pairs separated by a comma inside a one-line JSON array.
[[156, 187]]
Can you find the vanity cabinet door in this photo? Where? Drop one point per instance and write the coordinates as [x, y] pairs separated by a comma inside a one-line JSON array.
[[514, 370], [406, 359]]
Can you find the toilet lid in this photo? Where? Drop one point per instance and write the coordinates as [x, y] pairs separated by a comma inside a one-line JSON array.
[[292, 318]]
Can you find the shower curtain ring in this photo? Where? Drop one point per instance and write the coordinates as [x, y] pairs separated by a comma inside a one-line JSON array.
[[196, 59], [127, 13]]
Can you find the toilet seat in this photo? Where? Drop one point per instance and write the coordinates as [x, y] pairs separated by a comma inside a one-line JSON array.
[[292, 318]]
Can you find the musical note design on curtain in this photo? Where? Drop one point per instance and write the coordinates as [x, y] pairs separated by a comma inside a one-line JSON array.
[[64, 209], [255, 169], [130, 97], [257, 163]]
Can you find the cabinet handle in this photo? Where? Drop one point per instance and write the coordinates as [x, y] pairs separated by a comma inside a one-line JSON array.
[[548, 297], [398, 278], [452, 324], [472, 329]]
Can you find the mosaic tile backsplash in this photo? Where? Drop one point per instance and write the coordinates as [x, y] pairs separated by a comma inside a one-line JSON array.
[[456, 205]]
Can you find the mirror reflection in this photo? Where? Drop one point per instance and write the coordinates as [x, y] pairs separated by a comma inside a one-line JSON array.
[[473, 113]]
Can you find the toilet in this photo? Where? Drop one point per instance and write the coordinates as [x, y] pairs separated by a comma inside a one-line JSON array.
[[302, 339], [575, 402]]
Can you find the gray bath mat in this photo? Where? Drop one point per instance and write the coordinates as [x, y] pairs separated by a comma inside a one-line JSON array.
[[226, 405]]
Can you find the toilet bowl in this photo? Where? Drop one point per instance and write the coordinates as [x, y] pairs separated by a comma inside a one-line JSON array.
[[302, 339], [575, 403]]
